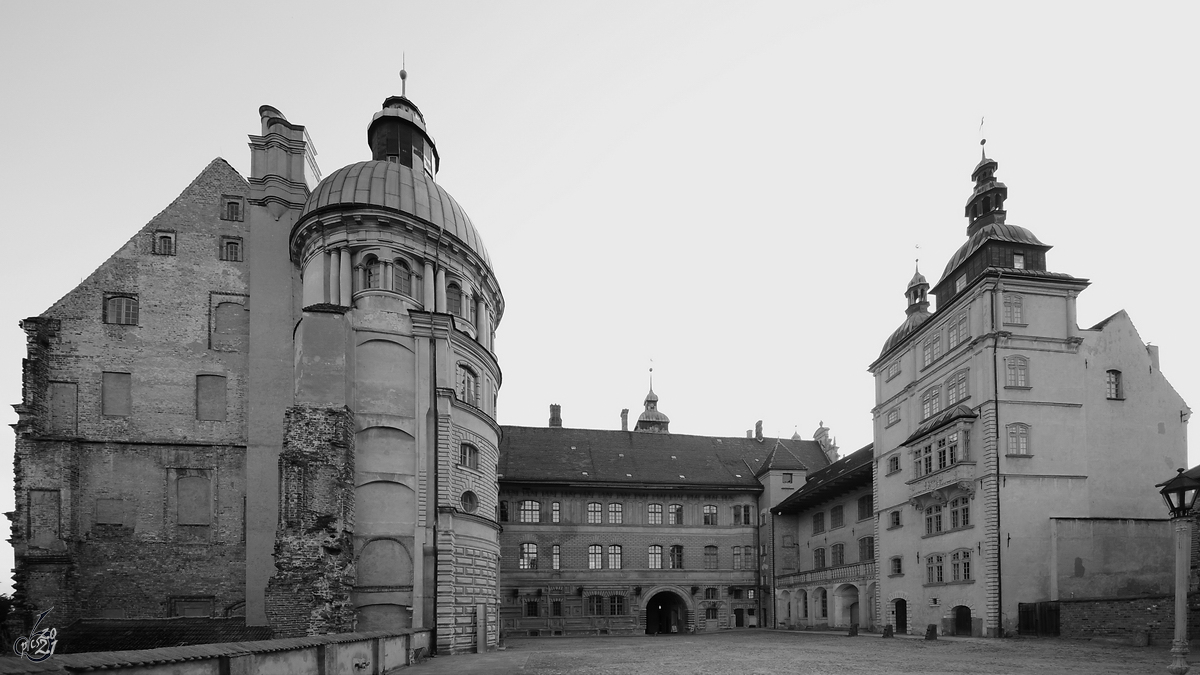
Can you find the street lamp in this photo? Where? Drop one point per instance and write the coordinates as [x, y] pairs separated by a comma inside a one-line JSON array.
[[1180, 495]]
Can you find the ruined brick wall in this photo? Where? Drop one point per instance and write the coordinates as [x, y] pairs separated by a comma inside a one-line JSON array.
[[309, 594], [1121, 617], [96, 530]]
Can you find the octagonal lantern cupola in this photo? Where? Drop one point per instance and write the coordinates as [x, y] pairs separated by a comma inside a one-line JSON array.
[[397, 134], [986, 204]]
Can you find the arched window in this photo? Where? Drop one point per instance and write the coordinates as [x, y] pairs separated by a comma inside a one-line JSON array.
[[866, 549], [528, 560], [654, 552], [1018, 438], [616, 514], [595, 513], [710, 514], [956, 388], [233, 211], [595, 557], [614, 557], [676, 513], [934, 574], [897, 566], [402, 277], [1016, 371], [164, 243], [371, 278], [531, 511], [467, 386], [1113, 385], [710, 557], [654, 514], [837, 555], [960, 513], [454, 298], [958, 330], [933, 519], [676, 557], [468, 456], [737, 557], [931, 402], [818, 558], [824, 600], [932, 350], [555, 557], [960, 565], [121, 309], [1013, 310]]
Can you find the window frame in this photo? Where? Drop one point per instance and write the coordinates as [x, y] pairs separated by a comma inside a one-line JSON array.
[[866, 507], [837, 554], [896, 566], [616, 513], [819, 558], [866, 548], [676, 557], [224, 252], [595, 557], [675, 514], [956, 388], [555, 512], [654, 557], [156, 244], [710, 514], [1016, 372], [595, 513], [555, 556], [818, 522], [654, 514], [1018, 439], [935, 569], [129, 312], [960, 566], [710, 557], [614, 557], [527, 556], [931, 402], [837, 517], [1114, 385], [468, 456], [529, 511], [893, 465]]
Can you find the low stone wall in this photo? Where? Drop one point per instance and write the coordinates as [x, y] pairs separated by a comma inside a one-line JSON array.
[[1121, 618], [375, 653]]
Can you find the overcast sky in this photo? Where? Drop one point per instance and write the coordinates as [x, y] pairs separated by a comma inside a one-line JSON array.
[[736, 191]]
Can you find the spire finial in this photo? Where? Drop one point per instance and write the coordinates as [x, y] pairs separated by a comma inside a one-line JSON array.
[[403, 76], [982, 141]]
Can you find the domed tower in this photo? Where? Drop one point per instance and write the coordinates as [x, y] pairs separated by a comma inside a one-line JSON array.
[[400, 305], [651, 419]]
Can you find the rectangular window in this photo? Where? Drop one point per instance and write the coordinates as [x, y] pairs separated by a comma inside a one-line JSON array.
[[1113, 385], [893, 416], [614, 557], [710, 514], [676, 557], [655, 554], [737, 557], [818, 558], [933, 519], [616, 605], [164, 242], [555, 512], [894, 519], [676, 513], [210, 398], [616, 514], [121, 309], [555, 557], [528, 559], [594, 513], [1019, 261], [556, 608], [710, 557], [596, 605], [531, 511], [710, 613], [787, 478], [710, 593], [115, 396], [531, 608], [835, 517], [897, 566], [468, 456], [231, 249], [866, 507], [893, 464], [893, 369], [654, 514], [595, 557], [866, 549], [818, 523], [837, 555]]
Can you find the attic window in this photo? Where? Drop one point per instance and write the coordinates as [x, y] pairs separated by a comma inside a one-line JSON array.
[[629, 475], [682, 476], [738, 475], [585, 473], [672, 456], [620, 454]]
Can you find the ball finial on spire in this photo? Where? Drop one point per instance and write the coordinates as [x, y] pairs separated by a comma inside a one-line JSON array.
[[403, 76]]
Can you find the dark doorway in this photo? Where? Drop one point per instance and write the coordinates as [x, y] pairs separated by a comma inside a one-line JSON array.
[[739, 618], [666, 613], [901, 616], [962, 620]]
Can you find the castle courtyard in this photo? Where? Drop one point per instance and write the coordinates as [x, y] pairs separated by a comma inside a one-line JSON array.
[[745, 652]]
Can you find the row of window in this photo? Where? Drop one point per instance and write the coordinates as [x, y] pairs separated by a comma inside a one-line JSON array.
[[866, 509], [616, 606], [935, 567], [951, 449], [530, 511], [165, 243], [957, 332], [837, 554], [598, 558], [116, 398], [404, 280]]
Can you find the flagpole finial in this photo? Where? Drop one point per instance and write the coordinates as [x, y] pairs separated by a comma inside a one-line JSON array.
[[403, 76]]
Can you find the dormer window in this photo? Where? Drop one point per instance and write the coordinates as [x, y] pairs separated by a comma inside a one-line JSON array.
[[960, 283], [1019, 261]]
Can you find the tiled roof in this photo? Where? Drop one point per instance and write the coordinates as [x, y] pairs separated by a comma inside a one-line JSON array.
[[106, 635], [560, 455], [848, 473], [396, 187], [780, 459], [940, 420]]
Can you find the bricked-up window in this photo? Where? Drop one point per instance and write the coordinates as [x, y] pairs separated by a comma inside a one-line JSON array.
[[192, 606], [231, 326], [866, 549], [531, 511], [655, 554], [836, 519], [595, 513], [121, 309], [555, 512], [210, 398], [555, 557], [818, 558], [468, 456], [737, 557], [531, 608], [231, 249], [710, 557], [193, 500], [595, 557], [616, 605], [110, 511], [164, 242], [837, 555], [528, 559], [710, 613], [710, 593], [596, 605], [616, 514], [63, 401], [654, 514], [676, 559], [934, 574], [897, 566], [556, 608], [402, 277], [115, 396], [960, 566], [44, 517], [710, 514], [454, 299], [614, 557], [818, 522], [676, 513]]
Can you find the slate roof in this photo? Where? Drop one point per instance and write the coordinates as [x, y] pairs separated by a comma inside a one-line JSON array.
[[592, 456], [991, 231], [940, 420], [106, 635], [848, 473], [781, 458]]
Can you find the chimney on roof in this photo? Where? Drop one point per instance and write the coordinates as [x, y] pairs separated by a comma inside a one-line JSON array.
[[625, 419], [555, 415], [749, 433], [758, 431]]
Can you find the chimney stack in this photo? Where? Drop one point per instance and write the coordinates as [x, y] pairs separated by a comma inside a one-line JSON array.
[[749, 433], [625, 419], [758, 431], [555, 415]]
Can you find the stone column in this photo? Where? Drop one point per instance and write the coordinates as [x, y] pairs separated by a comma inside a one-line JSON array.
[[481, 323], [428, 290], [335, 277], [440, 290], [346, 288], [386, 270]]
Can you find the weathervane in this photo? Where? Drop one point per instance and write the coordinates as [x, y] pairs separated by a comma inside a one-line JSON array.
[[982, 141], [403, 76]]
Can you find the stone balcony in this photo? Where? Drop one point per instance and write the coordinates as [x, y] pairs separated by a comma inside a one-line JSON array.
[[860, 571], [962, 472]]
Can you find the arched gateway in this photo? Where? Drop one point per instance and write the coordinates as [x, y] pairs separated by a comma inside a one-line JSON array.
[[666, 612]]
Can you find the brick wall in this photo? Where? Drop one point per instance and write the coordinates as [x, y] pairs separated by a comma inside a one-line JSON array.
[[1121, 617]]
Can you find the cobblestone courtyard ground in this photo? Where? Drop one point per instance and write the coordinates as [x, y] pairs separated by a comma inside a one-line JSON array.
[[748, 652]]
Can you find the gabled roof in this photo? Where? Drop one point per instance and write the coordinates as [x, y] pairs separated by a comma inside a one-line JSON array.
[[848, 473], [940, 420], [106, 635], [638, 459], [781, 458]]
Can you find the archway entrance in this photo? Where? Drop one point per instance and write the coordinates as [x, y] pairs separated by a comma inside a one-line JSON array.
[[854, 614], [901, 616], [962, 620], [666, 613]]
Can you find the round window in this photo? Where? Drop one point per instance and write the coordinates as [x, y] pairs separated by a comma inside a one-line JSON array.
[[469, 502]]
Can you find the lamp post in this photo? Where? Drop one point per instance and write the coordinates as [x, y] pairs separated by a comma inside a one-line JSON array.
[[1180, 495]]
